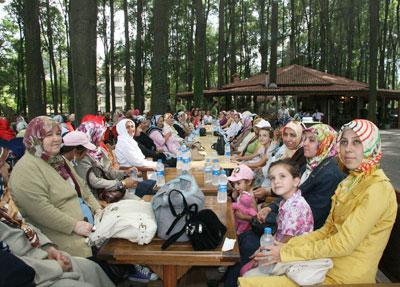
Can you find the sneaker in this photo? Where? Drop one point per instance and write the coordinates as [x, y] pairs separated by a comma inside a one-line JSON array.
[[142, 274]]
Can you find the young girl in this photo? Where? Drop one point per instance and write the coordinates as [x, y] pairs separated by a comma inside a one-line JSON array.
[[260, 157], [245, 207], [295, 215]]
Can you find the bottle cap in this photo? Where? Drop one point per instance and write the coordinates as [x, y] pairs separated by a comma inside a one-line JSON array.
[[267, 230]]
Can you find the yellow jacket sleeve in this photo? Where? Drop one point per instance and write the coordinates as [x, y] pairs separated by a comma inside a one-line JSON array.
[[350, 233]]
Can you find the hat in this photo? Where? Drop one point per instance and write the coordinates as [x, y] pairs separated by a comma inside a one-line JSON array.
[[241, 172], [247, 114], [263, 124], [77, 138]]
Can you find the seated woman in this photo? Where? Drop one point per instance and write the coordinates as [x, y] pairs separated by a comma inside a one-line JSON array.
[[291, 148], [246, 129], [250, 143], [94, 162], [147, 145], [222, 118], [358, 227], [165, 142], [127, 150], [169, 127], [181, 126], [235, 127], [48, 192]]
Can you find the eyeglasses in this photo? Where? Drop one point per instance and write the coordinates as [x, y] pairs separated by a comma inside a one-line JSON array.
[[130, 126]]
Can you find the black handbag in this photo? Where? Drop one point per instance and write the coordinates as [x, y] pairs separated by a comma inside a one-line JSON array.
[[108, 196], [219, 146], [203, 132], [204, 229]]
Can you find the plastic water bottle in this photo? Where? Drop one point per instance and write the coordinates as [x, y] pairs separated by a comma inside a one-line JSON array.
[[160, 173], [227, 151], [215, 172], [185, 160], [179, 160], [222, 195], [207, 172], [265, 241]]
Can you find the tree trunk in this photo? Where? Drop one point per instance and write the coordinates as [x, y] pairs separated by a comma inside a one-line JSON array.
[[190, 54], [139, 95], [199, 54], [381, 74], [350, 36], [292, 38], [112, 56], [221, 43], [34, 63], [232, 29], [263, 35], [159, 79], [128, 88], [274, 42], [52, 57], [106, 59], [83, 19], [323, 20], [373, 50]]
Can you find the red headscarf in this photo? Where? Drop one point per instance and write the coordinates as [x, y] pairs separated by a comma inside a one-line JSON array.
[[6, 133]]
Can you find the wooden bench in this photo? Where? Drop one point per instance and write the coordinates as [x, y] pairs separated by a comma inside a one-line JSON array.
[[173, 263]]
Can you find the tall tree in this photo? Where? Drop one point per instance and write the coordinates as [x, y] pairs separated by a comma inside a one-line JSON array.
[[323, 17], [106, 58], [274, 43], [263, 34], [53, 65], [34, 63], [139, 92], [128, 88], [190, 54], [83, 20], [232, 29], [350, 36], [373, 51], [221, 43], [112, 56], [159, 79], [382, 53], [199, 53]]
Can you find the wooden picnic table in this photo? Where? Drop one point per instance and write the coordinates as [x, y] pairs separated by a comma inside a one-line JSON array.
[[173, 263]]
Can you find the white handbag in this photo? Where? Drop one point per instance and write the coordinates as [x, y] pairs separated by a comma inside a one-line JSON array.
[[133, 220], [306, 272]]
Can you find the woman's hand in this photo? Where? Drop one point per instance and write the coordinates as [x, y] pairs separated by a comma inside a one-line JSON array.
[[263, 213], [130, 183], [262, 192], [270, 255], [83, 228]]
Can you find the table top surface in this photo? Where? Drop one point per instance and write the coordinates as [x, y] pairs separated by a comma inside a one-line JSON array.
[[125, 252]]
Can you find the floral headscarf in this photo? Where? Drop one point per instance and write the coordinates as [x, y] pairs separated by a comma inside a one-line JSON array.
[[326, 137], [95, 131], [370, 138], [36, 131]]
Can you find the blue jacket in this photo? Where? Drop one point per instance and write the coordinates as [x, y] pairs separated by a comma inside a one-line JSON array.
[[317, 190]]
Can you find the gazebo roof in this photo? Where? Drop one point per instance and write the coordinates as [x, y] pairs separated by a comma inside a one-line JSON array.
[[296, 80]]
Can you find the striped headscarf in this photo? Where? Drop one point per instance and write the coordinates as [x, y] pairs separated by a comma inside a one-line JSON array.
[[370, 138]]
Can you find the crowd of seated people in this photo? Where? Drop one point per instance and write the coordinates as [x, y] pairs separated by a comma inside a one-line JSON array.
[[330, 197]]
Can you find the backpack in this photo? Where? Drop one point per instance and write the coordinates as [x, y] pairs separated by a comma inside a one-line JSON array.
[[169, 209], [204, 229]]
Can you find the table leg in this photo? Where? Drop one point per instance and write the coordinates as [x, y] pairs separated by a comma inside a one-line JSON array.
[[170, 276]]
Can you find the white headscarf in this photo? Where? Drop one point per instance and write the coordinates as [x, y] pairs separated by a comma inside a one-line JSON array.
[[127, 149]]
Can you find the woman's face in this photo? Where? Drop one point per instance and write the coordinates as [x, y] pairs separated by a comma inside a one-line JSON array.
[[52, 142], [130, 127], [310, 144], [351, 149], [169, 120], [160, 122], [263, 137], [236, 118], [290, 138]]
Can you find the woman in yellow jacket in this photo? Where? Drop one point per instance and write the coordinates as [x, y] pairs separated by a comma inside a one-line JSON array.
[[360, 221]]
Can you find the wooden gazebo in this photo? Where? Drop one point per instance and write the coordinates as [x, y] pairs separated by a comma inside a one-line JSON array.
[[340, 99]]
